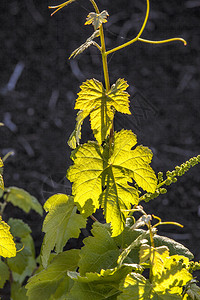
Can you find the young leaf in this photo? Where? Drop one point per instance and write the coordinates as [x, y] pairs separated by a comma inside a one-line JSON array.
[[53, 282], [7, 245], [100, 250], [61, 223], [23, 200], [94, 100], [86, 45], [1, 173], [76, 134], [98, 286], [97, 19], [4, 273], [93, 169]]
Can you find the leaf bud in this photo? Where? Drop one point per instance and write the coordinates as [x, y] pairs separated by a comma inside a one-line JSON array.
[[160, 176], [174, 179], [168, 181], [163, 191]]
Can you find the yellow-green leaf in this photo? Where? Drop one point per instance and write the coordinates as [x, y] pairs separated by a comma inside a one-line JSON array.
[[135, 286], [97, 19], [93, 100], [76, 134], [23, 200], [174, 275], [61, 223], [86, 175], [88, 43], [135, 162], [94, 169], [7, 245]]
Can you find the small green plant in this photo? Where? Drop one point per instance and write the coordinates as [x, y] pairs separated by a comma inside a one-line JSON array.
[[124, 258]]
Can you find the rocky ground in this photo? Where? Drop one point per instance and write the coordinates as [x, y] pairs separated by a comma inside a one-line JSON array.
[[38, 87]]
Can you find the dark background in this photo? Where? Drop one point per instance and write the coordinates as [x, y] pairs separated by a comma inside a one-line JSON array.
[[38, 87]]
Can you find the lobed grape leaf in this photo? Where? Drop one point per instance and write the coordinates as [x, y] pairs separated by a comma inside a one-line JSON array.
[[87, 44], [23, 263], [97, 19], [94, 169], [94, 101], [174, 275], [4, 273], [23, 200], [54, 283], [7, 245], [61, 223], [98, 286]]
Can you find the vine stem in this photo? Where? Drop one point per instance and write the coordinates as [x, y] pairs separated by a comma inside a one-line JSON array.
[[103, 50]]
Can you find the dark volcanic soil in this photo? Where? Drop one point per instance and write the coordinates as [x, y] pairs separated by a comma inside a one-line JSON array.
[[37, 107]]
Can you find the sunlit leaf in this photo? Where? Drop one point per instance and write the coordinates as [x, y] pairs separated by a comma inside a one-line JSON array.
[[87, 44], [98, 286], [23, 200], [92, 162], [135, 286], [52, 283], [7, 245], [93, 100], [97, 19], [156, 256], [61, 223], [174, 275], [4, 273]]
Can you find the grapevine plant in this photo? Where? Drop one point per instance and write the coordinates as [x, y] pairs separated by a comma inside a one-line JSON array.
[[125, 257]]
